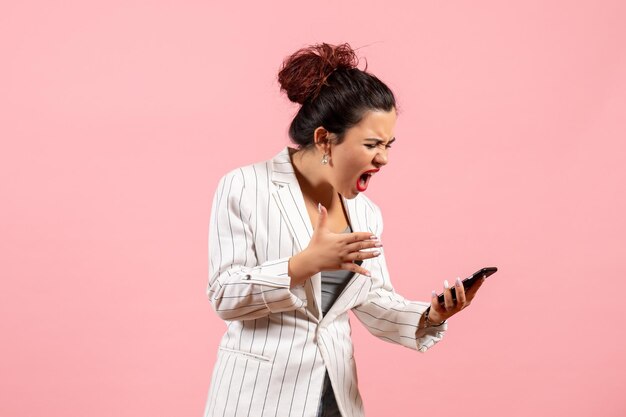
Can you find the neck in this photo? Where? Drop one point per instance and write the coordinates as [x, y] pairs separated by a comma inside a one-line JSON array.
[[310, 173]]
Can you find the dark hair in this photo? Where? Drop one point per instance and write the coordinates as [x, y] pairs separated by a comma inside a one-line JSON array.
[[333, 92]]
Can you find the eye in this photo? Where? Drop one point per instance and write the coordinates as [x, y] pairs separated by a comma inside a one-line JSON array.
[[370, 146]]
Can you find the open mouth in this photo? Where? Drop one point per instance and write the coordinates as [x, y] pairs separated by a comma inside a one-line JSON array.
[[364, 179], [361, 184]]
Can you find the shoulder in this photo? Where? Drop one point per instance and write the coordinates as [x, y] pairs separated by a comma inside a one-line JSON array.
[[258, 175], [251, 181], [248, 176]]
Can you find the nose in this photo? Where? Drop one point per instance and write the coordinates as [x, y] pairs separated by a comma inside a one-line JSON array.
[[382, 158]]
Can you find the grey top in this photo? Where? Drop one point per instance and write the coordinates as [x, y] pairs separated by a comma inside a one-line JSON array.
[[333, 283]]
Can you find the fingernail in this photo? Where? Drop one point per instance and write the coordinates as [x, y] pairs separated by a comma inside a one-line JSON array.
[[376, 252], [445, 284], [458, 281], [378, 244], [368, 274], [372, 237], [434, 293]]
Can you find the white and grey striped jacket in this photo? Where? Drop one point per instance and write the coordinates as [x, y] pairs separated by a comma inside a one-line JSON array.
[[272, 359]]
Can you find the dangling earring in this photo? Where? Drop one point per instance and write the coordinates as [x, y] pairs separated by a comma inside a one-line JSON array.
[[325, 159]]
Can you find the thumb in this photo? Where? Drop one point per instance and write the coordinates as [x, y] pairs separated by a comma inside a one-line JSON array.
[[321, 219]]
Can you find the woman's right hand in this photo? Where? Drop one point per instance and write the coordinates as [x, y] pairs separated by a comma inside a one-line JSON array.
[[329, 251]]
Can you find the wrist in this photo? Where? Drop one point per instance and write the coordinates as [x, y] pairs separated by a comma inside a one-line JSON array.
[[298, 268], [432, 319]]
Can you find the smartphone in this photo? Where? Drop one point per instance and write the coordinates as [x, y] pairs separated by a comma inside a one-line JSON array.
[[468, 282]]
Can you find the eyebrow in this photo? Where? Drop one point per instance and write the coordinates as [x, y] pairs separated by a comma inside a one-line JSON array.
[[381, 141]]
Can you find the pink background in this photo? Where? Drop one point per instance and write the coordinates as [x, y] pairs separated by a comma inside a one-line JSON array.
[[117, 119]]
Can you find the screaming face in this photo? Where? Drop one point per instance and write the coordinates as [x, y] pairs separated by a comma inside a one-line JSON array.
[[363, 152]]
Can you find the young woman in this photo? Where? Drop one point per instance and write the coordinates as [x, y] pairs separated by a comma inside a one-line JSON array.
[[294, 245]]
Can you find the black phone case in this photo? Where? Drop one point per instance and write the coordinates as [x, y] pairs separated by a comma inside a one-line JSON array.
[[468, 282]]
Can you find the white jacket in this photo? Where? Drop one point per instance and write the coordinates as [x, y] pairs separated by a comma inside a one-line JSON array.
[[272, 359]]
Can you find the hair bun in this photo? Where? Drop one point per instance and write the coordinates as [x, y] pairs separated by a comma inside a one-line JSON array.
[[303, 74]]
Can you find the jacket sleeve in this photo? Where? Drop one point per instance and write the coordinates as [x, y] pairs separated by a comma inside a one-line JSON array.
[[391, 317], [239, 288]]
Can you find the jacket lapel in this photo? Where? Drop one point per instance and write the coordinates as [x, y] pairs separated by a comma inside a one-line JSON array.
[[357, 217], [290, 201]]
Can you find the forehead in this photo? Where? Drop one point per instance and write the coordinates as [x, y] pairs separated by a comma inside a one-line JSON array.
[[376, 123]]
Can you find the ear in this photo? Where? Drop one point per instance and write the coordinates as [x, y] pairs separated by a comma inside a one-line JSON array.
[[321, 138]]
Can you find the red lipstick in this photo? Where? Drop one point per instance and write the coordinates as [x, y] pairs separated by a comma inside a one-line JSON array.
[[364, 179]]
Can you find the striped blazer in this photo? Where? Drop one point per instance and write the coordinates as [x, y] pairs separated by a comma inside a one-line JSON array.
[[272, 359]]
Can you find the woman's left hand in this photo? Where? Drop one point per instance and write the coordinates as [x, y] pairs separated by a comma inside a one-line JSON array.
[[439, 313]]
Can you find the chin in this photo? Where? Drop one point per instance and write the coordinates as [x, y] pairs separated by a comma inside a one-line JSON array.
[[351, 195]]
